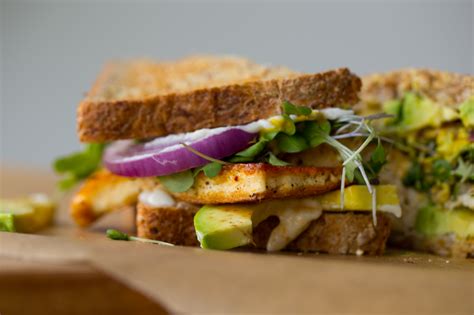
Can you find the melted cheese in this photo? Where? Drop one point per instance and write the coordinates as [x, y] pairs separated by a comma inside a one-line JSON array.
[[294, 215]]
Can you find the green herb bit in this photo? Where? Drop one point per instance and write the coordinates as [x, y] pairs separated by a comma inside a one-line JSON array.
[[441, 170], [79, 165], [240, 159], [178, 182], [117, 235], [273, 160], [316, 133], [253, 150], [291, 109], [120, 236], [7, 222], [416, 177], [268, 136], [212, 169], [291, 144]]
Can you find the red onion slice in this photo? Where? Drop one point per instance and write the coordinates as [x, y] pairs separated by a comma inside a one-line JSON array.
[[167, 155]]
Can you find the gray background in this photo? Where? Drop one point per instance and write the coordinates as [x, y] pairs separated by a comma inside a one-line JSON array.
[[52, 51]]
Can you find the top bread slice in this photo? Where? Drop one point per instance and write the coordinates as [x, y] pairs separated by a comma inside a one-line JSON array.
[[445, 88], [142, 99]]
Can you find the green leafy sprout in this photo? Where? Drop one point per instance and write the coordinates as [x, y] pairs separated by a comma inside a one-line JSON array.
[[120, 236], [7, 222], [77, 166]]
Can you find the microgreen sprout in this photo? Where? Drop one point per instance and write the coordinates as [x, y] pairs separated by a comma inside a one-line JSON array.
[[354, 126], [120, 236]]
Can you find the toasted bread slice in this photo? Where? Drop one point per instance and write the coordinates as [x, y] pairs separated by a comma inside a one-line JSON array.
[[335, 233], [446, 88], [258, 181], [103, 192], [143, 99]]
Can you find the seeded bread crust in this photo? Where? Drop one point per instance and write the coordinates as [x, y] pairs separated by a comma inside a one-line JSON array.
[[446, 88], [334, 233], [143, 99], [173, 225]]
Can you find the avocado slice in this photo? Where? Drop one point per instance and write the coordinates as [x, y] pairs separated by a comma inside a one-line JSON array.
[[414, 112], [230, 226], [223, 227], [26, 215], [467, 112], [432, 221]]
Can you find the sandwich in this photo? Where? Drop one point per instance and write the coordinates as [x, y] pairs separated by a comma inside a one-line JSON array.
[[432, 156], [223, 153]]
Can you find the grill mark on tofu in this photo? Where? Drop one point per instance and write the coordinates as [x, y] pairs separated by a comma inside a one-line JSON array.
[[259, 181]]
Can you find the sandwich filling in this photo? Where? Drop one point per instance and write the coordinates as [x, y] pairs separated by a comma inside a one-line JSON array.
[[439, 143], [181, 162], [230, 225]]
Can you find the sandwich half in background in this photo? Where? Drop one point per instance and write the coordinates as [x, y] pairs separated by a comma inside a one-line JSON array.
[[432, 161], [224, 153]]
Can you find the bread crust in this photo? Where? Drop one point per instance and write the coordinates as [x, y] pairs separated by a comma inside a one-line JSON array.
[[173, 225], [106, 114], [334, 233], [446, 88]]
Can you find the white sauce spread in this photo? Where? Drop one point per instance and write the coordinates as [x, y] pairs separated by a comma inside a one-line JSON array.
[[156, 198], [269, 124]]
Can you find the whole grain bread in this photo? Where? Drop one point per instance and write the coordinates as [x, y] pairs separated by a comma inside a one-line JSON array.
[[334, 233], [143, 99], [446, 88]]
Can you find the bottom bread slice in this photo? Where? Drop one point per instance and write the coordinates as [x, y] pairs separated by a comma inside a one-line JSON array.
[[334, 233]]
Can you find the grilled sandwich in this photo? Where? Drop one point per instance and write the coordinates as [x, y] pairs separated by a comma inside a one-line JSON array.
[[224, 153]]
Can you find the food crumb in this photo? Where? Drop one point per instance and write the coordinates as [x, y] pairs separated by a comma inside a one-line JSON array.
[[359, 252], [447, 261], [408, 260], [429, 260]]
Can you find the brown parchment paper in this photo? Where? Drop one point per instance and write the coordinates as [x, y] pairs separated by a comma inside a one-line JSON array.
[[191, 280]]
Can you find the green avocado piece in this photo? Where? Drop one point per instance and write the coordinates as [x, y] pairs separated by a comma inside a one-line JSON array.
[[432, 221], [223, 227], [414, 112], [467, 112], [7, 222]]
